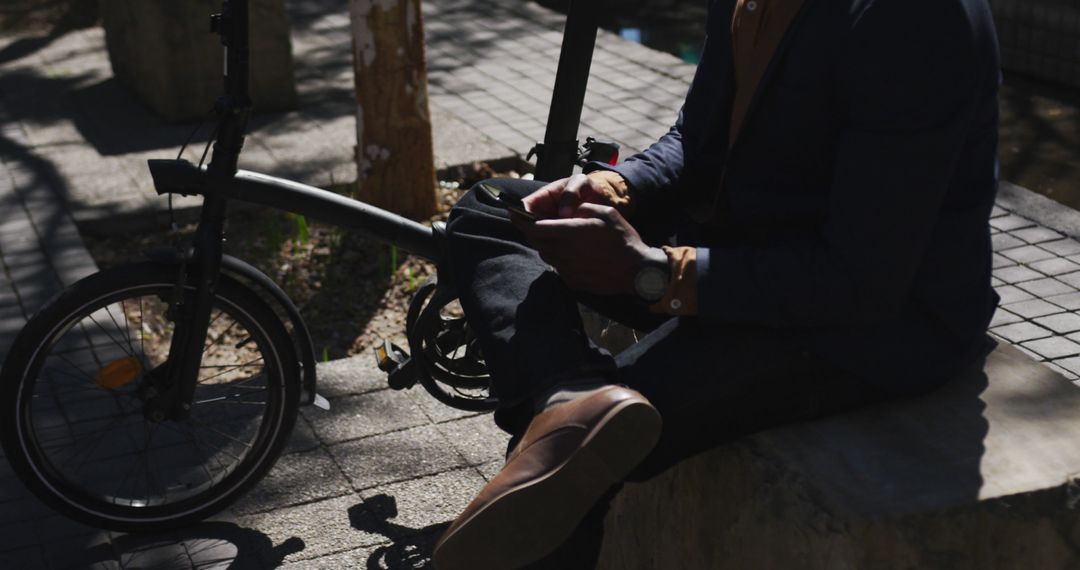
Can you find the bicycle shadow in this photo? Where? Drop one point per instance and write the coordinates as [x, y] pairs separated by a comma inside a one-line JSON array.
[[410, 548], [210, 544]]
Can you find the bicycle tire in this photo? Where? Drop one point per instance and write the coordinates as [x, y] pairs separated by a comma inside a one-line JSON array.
[[55, 413]]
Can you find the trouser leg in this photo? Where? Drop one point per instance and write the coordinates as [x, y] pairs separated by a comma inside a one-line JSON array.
[[525, 318]]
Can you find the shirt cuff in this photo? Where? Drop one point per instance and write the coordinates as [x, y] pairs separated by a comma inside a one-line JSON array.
[[681, 296], [614, 186]]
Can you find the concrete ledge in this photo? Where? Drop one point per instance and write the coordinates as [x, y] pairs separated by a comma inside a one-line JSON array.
[[980, 474], [1040, 209]]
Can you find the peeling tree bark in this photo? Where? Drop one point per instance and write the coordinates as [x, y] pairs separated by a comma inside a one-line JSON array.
[[394, 155]]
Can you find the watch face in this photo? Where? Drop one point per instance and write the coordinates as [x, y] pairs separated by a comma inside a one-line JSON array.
[[651, 283]]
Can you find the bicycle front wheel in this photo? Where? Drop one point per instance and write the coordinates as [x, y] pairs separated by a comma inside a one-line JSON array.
[[75, 425]]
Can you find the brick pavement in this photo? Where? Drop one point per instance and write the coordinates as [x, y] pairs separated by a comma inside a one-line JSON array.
[[372, 482]]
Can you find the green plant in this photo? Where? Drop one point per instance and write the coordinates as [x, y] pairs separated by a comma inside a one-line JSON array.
[[301, 232], [325, 354]]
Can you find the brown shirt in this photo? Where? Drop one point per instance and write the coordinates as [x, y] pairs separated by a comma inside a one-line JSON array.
[[757, 28]]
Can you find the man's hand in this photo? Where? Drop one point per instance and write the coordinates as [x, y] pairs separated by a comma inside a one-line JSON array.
[[595, 250], [561, 198]]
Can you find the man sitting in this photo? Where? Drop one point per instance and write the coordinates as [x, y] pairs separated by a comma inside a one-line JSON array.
[[811, 235]]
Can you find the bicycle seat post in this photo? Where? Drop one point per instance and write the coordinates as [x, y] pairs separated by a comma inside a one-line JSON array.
[[234, 107], [559, 151]]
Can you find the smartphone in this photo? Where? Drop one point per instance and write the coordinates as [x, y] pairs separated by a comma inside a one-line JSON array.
[[509, 201]]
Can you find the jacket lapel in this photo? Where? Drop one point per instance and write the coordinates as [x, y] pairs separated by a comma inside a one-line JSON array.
[[746, 100]]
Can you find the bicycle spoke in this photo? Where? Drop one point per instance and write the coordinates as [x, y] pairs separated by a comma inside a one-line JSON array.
[[86, 452], [230, 400], [221, 433], [211, 346], [126, 329], [85, 374], [231, 368], [104, 330]]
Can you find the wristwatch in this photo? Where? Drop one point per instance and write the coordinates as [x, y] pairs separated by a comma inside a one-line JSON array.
[[653, 276]]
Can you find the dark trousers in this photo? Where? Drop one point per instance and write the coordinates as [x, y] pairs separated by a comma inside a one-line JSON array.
[[710, 382]]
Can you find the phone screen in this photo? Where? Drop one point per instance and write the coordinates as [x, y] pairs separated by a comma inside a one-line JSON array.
[[508, 201]]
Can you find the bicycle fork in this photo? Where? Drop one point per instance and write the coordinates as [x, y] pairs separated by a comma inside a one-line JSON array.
[[170, 388]]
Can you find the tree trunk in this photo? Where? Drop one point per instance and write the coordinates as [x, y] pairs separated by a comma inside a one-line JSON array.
[[394, 156]]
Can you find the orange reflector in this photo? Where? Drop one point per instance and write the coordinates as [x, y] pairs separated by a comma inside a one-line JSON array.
[[118, 372]]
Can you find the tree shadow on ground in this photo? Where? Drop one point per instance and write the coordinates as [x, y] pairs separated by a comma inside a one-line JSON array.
[[410, 548]]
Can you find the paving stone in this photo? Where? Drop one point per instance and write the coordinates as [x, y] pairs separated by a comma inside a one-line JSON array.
[[1046, 287], [1067, 374], [169, 556], [1029, 353], [437, 411], [426, 503], [1001, 261], [216, 554], [54, 527], [369, 414], [1003, 317], [1065, 247], [1020, 332], [15, 537], [1016, 274], [1061, 323], [1010, 222], [28, 557], [1069, 364], [1053, 347], [1012, 294], [478, 439], [397, 456], [324, 527], [296, 478], [364, 557], [355, 375], [1070, 301], [87, 551], [1071, 278], [1055, 266], [1033, 308], [303, 437], [1004, 241], [490, 469], [1037, 234]]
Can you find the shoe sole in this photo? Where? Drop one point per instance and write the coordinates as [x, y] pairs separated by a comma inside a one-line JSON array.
[[528, 521]]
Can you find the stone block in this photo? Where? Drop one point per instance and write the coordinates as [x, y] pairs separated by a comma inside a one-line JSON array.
[[397, 456], [370, 414], [164, 52], [950, 481], [296, 478]]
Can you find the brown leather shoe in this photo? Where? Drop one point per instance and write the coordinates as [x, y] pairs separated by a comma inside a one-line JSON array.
[[569, 456]]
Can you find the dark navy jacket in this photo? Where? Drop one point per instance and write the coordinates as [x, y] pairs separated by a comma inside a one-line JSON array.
[[856, 200]]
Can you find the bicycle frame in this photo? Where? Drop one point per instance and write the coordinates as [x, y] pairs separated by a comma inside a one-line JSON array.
[[222, 182]]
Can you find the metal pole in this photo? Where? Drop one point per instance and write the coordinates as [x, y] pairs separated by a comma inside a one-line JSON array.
[[556, 155]]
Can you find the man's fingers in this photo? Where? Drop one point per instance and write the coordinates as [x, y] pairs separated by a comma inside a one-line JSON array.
[[544, 202], [573, 195], [563, 229], [590, 210]]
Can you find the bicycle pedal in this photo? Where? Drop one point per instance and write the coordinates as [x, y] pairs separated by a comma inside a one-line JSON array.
[[400, 370]]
